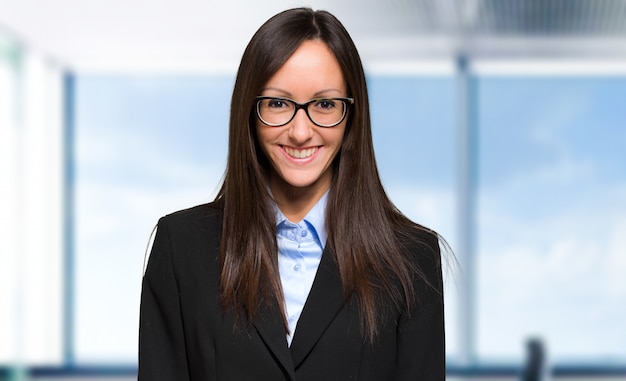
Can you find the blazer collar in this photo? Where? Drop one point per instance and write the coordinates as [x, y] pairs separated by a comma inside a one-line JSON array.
[[269, 325], [322, 305]]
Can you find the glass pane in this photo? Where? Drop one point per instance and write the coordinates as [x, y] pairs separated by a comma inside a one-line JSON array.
[[145, 147], [552, 217], [413, 122]]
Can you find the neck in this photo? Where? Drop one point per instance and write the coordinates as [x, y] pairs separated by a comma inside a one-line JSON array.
[[296, 202]]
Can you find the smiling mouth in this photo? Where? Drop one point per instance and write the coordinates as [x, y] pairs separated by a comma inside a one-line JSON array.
[[300, 153]]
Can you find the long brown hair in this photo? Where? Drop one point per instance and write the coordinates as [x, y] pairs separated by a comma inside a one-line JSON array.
[[363, 225]]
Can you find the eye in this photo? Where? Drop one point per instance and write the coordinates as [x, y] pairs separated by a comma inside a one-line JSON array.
[[277, 103], [325, 105]]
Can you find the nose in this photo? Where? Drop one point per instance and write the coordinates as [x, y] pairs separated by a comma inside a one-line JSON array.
[[301, 128]]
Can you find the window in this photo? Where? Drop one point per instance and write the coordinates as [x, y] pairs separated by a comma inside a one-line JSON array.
[[550, 206], [551, 218]]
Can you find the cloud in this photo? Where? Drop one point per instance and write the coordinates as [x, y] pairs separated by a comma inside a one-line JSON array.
[[556, 272], [427, 205]]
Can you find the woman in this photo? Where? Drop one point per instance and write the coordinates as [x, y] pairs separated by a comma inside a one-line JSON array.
[[301, 269]]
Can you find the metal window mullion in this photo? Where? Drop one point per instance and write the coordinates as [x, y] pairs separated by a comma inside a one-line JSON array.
[[68, 220], [466, 199]]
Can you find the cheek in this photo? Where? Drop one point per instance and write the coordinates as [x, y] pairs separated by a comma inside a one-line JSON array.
[[267, 153], [337, 138]]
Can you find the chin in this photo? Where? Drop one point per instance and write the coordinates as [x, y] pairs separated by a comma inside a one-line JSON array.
[[297, 179], [300, 182]]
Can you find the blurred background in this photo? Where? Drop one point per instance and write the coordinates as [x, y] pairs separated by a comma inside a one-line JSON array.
[[499, 123]]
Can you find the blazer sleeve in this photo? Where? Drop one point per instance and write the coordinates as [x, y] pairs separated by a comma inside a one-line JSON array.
[[421, 334], [162, 353]]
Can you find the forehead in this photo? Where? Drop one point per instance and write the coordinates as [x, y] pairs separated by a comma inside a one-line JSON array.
[[311, 68]]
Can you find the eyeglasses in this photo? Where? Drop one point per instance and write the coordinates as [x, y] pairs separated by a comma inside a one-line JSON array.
[[323, 112]]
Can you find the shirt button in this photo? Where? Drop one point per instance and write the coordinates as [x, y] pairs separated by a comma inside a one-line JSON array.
[[292, 318], [297, 267], [303, 233]]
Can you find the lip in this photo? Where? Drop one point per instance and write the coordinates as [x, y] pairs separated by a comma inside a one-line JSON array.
[[303, 160]]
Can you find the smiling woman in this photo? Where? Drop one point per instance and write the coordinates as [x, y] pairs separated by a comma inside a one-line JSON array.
[[301, 268]]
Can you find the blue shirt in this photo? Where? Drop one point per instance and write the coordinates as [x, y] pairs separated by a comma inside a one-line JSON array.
[[300, 248]]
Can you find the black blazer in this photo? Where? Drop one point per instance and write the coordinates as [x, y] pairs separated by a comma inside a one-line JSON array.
[[184, 335]]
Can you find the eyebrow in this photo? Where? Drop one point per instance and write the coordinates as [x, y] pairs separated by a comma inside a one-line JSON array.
[[316, 95]]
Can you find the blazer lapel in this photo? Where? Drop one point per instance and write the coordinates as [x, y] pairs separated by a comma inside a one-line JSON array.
[[270, 328], [322, 305]]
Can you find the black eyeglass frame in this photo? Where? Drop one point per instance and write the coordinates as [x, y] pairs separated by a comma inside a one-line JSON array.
[[347, 102]]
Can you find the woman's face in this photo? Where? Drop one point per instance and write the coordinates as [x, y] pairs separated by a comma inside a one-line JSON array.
[[301, 153]]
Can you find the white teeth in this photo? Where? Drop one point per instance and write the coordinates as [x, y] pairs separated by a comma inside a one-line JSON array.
[[300, 153]]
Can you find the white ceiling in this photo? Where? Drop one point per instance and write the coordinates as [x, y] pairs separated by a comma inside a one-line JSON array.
[[210, 35], [185, 34]]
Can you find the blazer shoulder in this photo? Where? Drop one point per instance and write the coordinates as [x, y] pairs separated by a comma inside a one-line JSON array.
[[420, 240], [197, 226], [207, 215], [422, 245], [186, 235]]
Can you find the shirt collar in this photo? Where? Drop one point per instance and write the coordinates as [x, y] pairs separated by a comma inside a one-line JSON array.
[[315, 217]]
